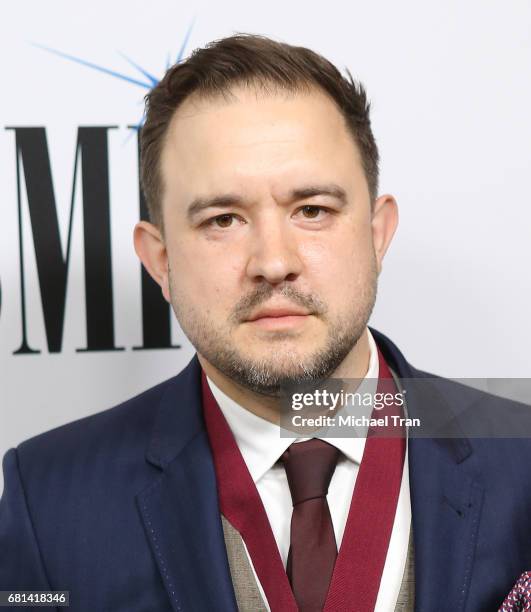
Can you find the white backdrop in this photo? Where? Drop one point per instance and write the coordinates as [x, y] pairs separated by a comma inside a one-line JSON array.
[[450, 89]]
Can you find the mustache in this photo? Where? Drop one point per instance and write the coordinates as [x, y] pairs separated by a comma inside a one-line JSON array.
[[263, 293]]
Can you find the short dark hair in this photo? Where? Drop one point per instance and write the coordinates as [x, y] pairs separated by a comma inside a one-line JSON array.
[[251, 60]]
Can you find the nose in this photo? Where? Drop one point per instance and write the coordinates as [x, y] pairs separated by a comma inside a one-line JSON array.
[[274, 255]]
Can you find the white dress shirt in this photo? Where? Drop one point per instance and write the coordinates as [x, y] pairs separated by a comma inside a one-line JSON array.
[[261, 446]]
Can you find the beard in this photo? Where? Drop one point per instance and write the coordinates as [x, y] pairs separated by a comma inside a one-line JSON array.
[[282, 368]]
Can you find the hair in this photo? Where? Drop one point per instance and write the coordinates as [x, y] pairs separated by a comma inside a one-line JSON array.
[[252, 61]]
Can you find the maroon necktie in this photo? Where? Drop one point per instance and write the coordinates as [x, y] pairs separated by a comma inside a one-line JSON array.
[[309, 467]]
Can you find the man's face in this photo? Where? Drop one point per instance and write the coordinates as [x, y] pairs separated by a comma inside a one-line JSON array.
[[267, 222]]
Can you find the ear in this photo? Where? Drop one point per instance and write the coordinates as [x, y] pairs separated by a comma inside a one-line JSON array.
[[384, 223], [151, 250]]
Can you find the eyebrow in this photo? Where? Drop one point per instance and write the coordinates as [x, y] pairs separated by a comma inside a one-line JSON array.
[[330, 189], [228, 200]]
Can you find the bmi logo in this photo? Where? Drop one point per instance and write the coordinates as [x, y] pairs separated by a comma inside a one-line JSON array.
[[91, 170]]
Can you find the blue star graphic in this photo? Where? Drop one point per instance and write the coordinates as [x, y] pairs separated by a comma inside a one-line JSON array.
[[149, 79]]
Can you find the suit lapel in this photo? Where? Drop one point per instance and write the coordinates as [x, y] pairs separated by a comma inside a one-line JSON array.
[[446, 493], [180, 507], [446, 506]]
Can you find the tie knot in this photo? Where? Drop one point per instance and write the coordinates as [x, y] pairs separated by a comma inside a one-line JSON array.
[[309, 467]]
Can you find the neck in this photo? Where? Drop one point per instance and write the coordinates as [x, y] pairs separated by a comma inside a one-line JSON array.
[[355, 365]]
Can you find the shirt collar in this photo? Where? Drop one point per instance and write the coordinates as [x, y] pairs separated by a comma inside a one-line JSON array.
[[259, 440]]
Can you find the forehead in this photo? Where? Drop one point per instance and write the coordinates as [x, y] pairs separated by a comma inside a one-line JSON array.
[[252, 137]]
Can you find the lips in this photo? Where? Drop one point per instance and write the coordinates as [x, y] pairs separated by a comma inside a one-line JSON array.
[[278, 312]]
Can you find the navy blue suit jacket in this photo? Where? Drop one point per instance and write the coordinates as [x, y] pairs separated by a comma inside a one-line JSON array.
[[121, 509]]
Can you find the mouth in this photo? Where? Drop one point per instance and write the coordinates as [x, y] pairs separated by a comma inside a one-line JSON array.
[[279, 318]]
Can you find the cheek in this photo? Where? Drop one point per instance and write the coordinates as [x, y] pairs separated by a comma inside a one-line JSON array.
[[209, 278], [339, 271], [339, 258]]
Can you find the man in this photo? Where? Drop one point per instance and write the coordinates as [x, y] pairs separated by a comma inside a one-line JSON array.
[[267, 236]]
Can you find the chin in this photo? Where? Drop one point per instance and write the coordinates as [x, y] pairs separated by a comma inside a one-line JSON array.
[[280, 359]]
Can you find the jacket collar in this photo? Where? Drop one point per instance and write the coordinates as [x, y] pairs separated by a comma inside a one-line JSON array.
[[424, 395], [179, 416]]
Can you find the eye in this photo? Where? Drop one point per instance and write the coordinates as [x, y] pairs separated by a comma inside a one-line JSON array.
[[311, 211], [221, 221]]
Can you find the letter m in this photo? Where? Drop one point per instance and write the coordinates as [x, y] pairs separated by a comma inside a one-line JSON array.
[[33, 167]]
